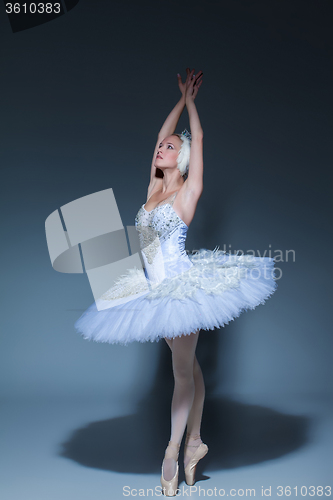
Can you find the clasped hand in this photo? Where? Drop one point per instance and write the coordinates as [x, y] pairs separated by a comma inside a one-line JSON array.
[[190, 87]]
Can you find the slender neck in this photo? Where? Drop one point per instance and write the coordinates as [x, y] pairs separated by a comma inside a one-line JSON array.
[[172, 181]]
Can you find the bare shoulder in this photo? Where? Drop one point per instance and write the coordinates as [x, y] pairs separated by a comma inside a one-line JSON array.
[[186, 203]]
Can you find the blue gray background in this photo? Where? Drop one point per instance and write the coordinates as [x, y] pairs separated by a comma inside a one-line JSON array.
[[82, 100]]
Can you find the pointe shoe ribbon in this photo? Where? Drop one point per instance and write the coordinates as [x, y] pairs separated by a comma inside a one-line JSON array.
[[199, 453], [170, 487]]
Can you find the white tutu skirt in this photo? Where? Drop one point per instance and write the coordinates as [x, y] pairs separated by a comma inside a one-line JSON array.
[[214, 291]]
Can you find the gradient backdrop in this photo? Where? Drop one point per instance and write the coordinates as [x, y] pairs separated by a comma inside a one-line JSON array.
[[82, 100]]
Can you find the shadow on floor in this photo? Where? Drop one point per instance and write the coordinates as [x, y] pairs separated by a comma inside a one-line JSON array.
[[237, 434]]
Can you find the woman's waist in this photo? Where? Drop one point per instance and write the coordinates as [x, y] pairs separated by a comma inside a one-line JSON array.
[[167, 265], [176, 264]]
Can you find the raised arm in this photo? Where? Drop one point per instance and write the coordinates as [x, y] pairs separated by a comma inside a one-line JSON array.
[[168, 128], [194, 181]]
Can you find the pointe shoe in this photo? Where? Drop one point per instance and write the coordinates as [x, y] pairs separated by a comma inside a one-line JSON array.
[[170, 487], [198, 454]]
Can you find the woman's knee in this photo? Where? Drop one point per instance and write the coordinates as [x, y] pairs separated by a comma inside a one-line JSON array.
[[183, 356], [196, 367], [183, 370]]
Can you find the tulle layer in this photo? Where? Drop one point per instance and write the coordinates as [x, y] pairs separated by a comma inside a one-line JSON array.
[[214, 291]]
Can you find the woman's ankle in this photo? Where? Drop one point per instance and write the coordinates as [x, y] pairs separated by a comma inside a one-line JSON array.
[[192, 438], [172, 450]]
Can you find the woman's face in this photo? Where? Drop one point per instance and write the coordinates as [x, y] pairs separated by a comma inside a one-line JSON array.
[[167, 152]]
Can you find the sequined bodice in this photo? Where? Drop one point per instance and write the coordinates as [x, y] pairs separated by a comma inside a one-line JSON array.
[[162, 236]]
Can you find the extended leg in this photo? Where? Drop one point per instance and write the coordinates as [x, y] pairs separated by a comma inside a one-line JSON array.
[[183, 353], [195, 415]]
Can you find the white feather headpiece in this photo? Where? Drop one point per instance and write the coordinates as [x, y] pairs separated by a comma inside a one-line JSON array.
[[183, 159]]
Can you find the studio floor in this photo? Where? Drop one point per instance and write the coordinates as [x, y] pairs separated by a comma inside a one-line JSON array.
[[93, 449]]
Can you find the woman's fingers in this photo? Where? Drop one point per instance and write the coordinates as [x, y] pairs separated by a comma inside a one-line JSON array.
[[198, 85], [195, 85], [197, 82], [190, 80], [193, 81], [188, 76], [198, 77], [182, 85]]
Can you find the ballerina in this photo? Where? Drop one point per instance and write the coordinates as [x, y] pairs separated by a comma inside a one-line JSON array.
[[178, 294], [189, 390]]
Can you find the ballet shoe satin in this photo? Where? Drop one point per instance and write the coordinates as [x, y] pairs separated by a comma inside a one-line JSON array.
[[199, 453], [170, 487]]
